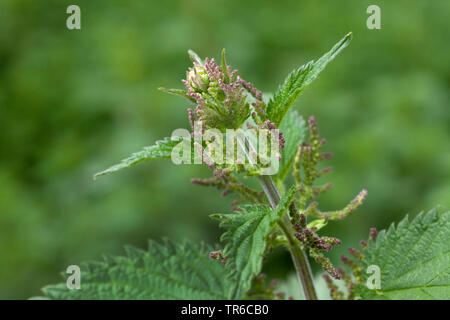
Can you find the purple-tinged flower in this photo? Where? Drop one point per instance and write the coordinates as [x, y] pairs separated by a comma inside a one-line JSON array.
[[335, 293], [355, 253], [332, 241], [218, 94], [216, 255], [351, 264], [325, 262], [364, 243], [373, 234]]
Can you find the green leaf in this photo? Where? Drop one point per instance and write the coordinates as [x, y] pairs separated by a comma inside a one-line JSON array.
[[161, 150], [293, 128], [414, 259], [195, 58], [318, 224], [245, 239], [164, 271], [225, 70], [298, 80], [178, 92]]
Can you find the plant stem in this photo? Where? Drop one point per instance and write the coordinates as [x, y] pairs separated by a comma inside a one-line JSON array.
[[298, 255]]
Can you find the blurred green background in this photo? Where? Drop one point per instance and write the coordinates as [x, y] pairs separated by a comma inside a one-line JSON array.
[[74, 102]]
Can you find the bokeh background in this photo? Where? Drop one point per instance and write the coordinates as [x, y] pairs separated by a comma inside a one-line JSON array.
[[74, 102]]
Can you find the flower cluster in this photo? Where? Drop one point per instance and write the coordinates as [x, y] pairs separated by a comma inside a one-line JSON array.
[[223, 100], [259, 115], [335, 293], [218, 255], [225, 181], [218, 94], [307, 160], [311, 240], [313, 211], [354, 265], [305, 173]]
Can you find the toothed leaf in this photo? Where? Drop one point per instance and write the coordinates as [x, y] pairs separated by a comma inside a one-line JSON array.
[[164, 271], [161, 150], [245, 239], [413, 257], [293, 128], [298, 80], [178, 92]]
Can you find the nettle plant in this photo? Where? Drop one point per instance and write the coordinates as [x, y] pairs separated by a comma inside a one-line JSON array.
[[408, 261]]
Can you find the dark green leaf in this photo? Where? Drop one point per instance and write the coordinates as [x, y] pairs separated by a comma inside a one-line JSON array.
[[164, 271], [245, 239]]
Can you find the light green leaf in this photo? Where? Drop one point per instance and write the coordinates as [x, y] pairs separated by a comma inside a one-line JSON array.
[[414, 259], [165, 271], [298, 80], [178, 92], [161, 150], [293, 128], [318, 224], [195, 58], [245, 239]]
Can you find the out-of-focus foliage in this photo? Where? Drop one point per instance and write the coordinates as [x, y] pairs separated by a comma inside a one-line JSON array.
[[73, 102]]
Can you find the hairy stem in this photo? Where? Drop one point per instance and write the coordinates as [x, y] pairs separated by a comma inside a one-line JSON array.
[[298, 255]]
